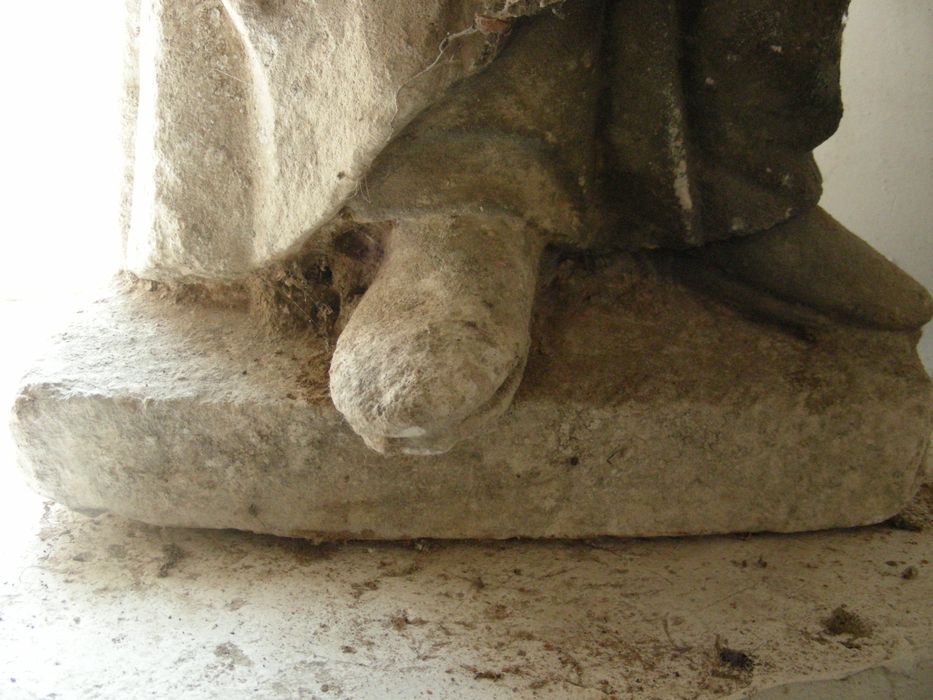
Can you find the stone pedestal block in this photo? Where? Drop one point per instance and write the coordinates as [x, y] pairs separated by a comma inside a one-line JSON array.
[[645, 409]]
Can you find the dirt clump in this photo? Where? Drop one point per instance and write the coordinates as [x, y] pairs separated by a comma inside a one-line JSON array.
[[401, 620], [917, 515], [844, 621], [317, 290], [173, 554], [733, 661], [487, 675]]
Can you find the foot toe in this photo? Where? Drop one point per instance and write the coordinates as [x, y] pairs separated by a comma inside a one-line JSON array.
[[437, 346]]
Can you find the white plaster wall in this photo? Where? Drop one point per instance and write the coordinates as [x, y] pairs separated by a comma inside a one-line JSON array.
[[60, 67], [878, 168]]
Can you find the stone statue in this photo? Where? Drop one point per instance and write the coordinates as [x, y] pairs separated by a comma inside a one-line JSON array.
[[411, 178], [587, 124]]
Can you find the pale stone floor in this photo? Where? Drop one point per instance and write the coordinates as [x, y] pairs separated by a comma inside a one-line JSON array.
[[109, 608]]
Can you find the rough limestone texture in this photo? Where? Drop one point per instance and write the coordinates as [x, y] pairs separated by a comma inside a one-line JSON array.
[[645, 409], [249, 124], [254, 121], [435, 350]]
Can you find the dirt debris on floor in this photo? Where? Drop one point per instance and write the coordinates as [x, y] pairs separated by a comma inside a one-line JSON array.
[[237, 615]]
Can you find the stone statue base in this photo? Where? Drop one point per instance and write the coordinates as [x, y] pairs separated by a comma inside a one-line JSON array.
[[646, 409]]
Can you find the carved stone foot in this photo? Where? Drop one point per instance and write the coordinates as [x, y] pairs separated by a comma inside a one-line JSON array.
[[814, 261], [438, 344]]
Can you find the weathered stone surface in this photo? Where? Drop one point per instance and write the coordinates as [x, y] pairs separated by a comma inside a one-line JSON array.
[[437, 347], [816, 261], [646, 409], [254, 121], [251, 123]]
